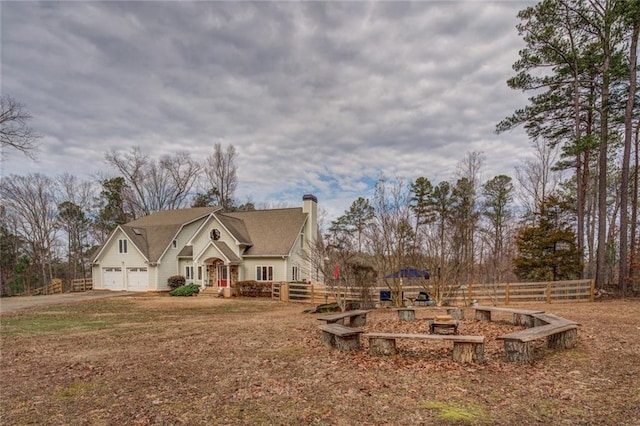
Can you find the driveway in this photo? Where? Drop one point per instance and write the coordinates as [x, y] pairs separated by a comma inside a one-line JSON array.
[[12, 304]]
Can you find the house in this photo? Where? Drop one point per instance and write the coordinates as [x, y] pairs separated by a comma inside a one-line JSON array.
[[209, 247]]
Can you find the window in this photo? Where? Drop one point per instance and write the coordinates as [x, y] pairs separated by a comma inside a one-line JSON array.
[[122, 246], [295, 274], [174, 244], [264, 273], [188, 272], [199, 273], [214, 234]]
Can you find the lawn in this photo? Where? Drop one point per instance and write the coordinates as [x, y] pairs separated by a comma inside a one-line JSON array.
[[155, 359]]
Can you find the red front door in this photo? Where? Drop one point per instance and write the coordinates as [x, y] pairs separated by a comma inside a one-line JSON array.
[[222, 276]]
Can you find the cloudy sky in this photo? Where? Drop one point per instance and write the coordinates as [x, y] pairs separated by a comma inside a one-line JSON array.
[[317, 97]]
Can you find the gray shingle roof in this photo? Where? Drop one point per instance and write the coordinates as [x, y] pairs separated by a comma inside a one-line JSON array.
[[273, 232], [152, 234], [227, 252], [236, 226], [265, 232]]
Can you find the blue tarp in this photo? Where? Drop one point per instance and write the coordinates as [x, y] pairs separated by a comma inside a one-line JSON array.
[[409, 273]]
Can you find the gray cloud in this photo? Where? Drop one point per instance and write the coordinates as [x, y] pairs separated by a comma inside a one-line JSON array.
[[317, 97]]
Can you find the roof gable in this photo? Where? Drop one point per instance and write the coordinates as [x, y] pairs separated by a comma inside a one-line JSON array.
[[153, 234]]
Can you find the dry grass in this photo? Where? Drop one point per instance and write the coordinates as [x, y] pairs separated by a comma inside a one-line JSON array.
[[162, 360]]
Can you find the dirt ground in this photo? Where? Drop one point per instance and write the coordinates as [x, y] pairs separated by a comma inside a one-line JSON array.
[[160, 360]]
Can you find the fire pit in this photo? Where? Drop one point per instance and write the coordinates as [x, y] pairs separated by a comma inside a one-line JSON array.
[[444, 323]]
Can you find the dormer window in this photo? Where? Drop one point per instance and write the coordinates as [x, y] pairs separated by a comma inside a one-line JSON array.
[[214, 234]]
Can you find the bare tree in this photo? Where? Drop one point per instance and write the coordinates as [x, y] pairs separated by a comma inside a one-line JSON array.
[[221, 174], [14, 131], [31, 199], [536, 176], [465, 192], [391, 234], [74, 206], [155, 185], [497, 194]]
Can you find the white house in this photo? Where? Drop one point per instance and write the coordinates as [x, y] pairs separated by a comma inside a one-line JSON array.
[[209, 247]]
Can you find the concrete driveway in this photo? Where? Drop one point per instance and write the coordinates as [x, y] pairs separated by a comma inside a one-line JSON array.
[[12, 304]]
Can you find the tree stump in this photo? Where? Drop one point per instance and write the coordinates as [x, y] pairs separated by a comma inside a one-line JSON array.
[[465, 353], [564, 340], [483, 315], [455, 313], [524, 320], [381, 346], [328, 339], [407, 314], [518, 351], [348, 343], [358, 321]]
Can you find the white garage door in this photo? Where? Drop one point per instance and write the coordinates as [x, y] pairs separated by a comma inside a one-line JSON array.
[[112, 279], [137, 279]]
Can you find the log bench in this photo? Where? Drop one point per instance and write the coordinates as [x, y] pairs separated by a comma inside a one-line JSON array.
[[559, 335], [465, 348], [340, 337], [520, 316], [356, 318], [546, 318]]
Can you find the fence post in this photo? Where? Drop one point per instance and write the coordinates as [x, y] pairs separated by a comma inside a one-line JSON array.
[[507, 289], [284, 292], [592, 290], [549, 292]]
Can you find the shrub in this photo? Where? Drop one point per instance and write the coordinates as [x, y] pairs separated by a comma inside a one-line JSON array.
[[176, 281], [253, 288], [185, 290]]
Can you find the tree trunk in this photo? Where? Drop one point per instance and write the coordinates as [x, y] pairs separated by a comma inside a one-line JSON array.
[[602, 163], [380, 346], [465, 353], [565, 340], [518, 351], [624, 184]]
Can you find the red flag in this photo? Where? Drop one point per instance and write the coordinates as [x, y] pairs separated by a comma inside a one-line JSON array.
[[336, 272]]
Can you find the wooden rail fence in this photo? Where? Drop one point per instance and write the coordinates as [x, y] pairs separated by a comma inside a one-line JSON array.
[[496, 294], [56, 286], [82, 284]]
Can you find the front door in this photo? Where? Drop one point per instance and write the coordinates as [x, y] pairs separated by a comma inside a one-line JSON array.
[[222, 275]]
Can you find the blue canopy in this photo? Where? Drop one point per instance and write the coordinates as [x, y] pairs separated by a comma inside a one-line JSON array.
[[409, 273]]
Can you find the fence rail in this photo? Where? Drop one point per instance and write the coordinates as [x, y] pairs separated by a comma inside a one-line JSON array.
[[57, 286], [82, 284], [497, 294]]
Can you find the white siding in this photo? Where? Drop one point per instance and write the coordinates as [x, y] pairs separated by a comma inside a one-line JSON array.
[[249, 268], [168, 266], [111, 258]]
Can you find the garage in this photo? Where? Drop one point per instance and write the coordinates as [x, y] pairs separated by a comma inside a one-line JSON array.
[[112, 279], [137, 279]]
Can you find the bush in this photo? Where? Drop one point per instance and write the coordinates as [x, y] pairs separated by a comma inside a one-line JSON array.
[[176, 281], [253, 288], [185, 290]]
